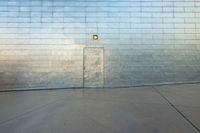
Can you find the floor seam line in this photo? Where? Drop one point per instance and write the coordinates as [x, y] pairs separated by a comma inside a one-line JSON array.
[[27, 112], [176, 109]]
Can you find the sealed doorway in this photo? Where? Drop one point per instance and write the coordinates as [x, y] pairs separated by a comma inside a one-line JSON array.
[[93, 65]]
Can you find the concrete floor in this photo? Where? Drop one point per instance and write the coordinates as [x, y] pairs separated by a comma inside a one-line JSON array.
[[159, 109]]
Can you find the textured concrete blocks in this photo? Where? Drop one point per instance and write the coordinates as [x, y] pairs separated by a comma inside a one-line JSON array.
[[145, 42]]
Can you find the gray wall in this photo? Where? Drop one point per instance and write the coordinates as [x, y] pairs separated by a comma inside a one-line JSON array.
[[145, 42]]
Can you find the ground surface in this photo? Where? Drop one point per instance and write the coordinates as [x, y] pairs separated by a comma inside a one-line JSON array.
[[159, 109]]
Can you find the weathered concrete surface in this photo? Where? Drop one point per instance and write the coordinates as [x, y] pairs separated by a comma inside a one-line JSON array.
[[122, 110], [93, 67], [145, 42], [186, 98]]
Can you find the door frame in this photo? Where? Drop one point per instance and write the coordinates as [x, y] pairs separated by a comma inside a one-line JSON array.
[[103, 66]]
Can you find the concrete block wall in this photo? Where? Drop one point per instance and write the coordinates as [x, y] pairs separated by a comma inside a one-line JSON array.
[[145, 42]]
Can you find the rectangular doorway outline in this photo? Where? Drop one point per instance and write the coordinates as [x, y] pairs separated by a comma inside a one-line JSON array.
[[103, 65]]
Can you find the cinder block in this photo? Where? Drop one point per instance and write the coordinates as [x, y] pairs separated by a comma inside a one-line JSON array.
[[145, 42]]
